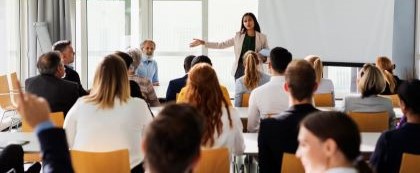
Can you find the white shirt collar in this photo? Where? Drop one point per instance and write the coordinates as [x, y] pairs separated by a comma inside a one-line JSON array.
[[342, 170]]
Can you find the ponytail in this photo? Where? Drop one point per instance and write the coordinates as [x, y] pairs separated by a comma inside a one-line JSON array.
[[252, 75], [389, 79], [361, 165], [317, 65]]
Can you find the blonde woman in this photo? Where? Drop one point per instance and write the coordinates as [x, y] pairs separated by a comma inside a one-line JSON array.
[[324, 85], [252, 79], [370, 83], [108, 118], [392, 81], [223, 126]]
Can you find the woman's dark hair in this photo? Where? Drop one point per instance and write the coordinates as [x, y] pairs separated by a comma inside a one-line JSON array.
[[410, 95], [256, 25], [126, 57], [343, 130]]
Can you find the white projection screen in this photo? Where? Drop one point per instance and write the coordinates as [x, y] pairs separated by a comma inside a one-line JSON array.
[[337, 30]]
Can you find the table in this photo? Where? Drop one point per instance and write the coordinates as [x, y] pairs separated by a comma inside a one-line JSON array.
[[31, 147], [367, 146]]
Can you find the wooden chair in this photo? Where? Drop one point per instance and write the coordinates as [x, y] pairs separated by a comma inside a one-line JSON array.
[[394, 99], [371, 121], [291, 164], [410, 163], [324, 100], [57, 118], [213, 160], [245, 99], [5, 99], [13, 79], [99, 162]]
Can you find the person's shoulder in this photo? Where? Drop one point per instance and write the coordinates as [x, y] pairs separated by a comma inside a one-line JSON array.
[[69, 83], [135, 102]]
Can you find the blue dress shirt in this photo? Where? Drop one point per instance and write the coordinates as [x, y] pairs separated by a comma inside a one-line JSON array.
[[148, 68]]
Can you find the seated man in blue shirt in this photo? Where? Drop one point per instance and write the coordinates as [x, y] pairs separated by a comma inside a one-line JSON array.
[[148, 67], [392, 144]]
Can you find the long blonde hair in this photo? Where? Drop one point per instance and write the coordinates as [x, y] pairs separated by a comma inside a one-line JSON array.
[[203, 91], [110, 82], [252, 75], [386, 67], [317, 64]]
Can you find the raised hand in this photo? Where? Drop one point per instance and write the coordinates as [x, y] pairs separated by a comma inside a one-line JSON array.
[[196, 42]]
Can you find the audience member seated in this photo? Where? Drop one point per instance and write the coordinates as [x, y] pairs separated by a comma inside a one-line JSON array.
[[252, 78], [60, 94], [263, 55], [223, 124], [370, 83], [392, 81], [11, 159], [67, 52], [176, 85], [54, 149], [204, 59], [108, 118], [148, 67], [278, 134], [172, 140], [324, 85], [392, 144], [142, 86], [330, 142], [270, 99]]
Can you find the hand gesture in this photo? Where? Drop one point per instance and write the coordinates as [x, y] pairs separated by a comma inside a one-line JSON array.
[[196, 42]]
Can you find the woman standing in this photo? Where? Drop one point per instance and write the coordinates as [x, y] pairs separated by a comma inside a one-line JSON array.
[[248, 38]]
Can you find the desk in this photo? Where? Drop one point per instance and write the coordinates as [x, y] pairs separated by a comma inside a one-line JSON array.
[[367, 146], [31, 147]]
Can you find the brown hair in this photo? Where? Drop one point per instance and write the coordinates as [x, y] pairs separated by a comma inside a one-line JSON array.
[[252, 75], [342, 130], [203, 91], [317, 64], [172, 140], [371, 81], [300, 78], [386, 67], [110, 82]]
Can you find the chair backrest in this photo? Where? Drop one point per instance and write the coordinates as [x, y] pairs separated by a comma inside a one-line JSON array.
[[5, 100], [245, 99], [213, 160], [324, 100], [99, 162], [13, 79], [291, 164], [410, 163], [371, 121], [57, 118], [394, 99]]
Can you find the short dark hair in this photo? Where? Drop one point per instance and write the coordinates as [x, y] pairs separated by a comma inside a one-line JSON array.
[[301, 79], [126, 57], [280, 58], [409, 93], [201, 59], [49, 62], [61, 45], [187, 62], [173, 139]]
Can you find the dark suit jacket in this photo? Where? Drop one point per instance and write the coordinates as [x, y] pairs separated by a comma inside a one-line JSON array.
[[390, 146], [55, 151], [278, 135], [60, 94], [175, 87], [135, 90], [72, 75]]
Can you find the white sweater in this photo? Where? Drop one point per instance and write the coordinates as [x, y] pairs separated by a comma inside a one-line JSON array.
[[89, 128], [231, 137]]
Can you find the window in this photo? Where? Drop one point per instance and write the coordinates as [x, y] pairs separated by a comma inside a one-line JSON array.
[[111, 25], [173, 29], [9, 36]]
